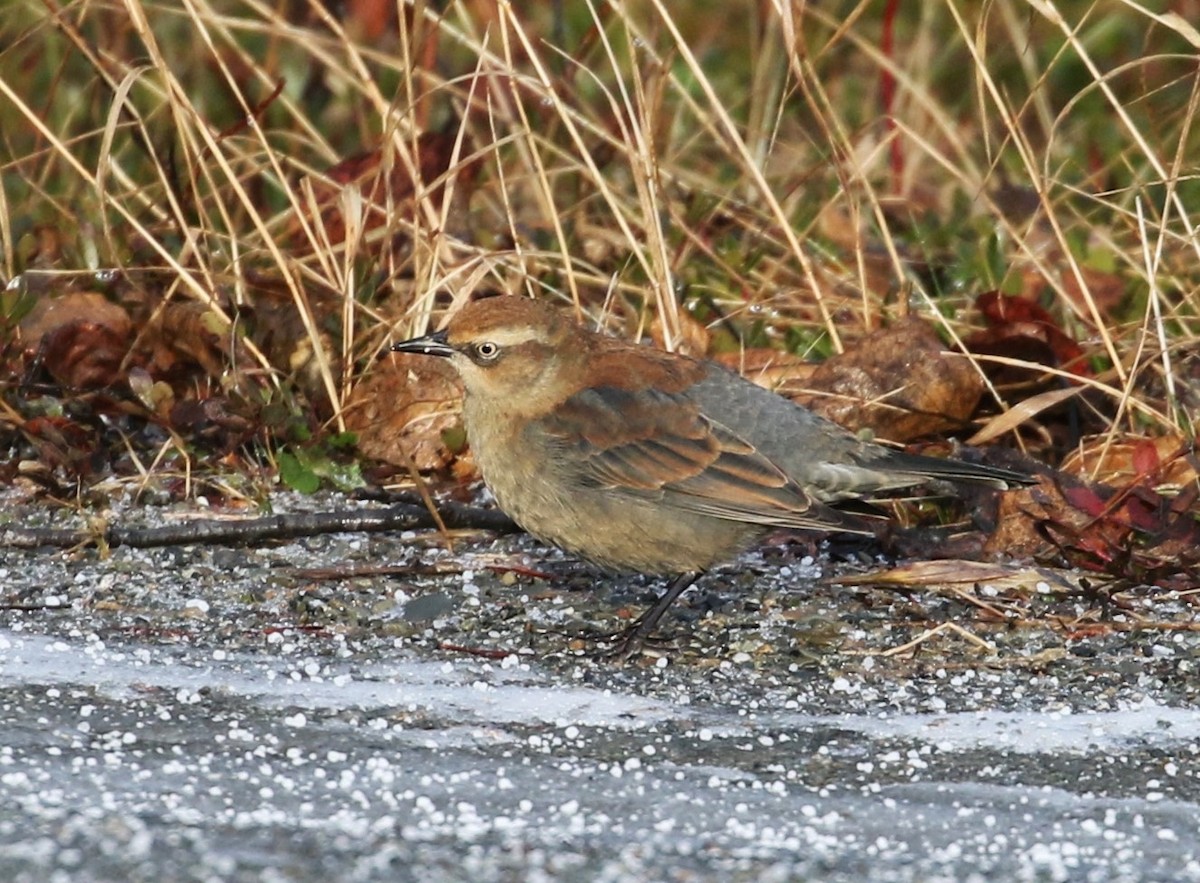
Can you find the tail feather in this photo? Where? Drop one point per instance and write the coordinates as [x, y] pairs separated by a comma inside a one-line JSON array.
[[955, 470]]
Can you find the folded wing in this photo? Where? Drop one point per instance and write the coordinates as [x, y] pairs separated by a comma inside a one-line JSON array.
[[653, 444]]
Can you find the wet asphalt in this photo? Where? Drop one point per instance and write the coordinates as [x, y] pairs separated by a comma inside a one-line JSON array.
[[359, 708]]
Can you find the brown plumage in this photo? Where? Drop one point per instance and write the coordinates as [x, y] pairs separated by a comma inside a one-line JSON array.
[[643, 460]]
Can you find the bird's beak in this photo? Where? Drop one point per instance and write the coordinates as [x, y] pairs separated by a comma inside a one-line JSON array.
[[430, 345]]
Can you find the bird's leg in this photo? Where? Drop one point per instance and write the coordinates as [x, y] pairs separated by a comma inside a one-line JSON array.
[[634, 637]]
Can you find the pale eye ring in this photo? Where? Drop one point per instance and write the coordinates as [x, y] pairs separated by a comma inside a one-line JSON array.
[[487, 350]]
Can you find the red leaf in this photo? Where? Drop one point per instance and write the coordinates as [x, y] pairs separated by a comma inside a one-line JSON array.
[[1145, 457], [1095, 546], [1144, 515], [1085, 500], [1015, 322]]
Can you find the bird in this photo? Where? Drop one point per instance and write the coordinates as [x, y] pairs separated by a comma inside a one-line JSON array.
[[637, 459]]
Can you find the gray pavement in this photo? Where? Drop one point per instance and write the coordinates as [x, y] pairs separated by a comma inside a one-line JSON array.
[[203, 715]]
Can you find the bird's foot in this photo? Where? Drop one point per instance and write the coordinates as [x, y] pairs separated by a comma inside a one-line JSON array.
[[622, 651], [616, 646], [634, 638], [631, 641]]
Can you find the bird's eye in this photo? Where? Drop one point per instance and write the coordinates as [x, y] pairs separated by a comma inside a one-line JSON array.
[[486, 351]]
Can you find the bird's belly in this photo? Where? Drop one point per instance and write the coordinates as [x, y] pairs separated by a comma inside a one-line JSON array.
[[614, 528], [624, 532]]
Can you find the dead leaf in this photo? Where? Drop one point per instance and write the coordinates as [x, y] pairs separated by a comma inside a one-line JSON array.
[[1021, 413], [771, 369], [42, 248], [278, 328], [955, 572], [370, 20], [693, 335], [80, 338], [840, 226], [61, 442], [212, 420], [1131, 533], [1023, 513], [899, 382], [1107, 290], [52, 313], [1021, 329], [403, 410], [1125, 459], [187, 328]]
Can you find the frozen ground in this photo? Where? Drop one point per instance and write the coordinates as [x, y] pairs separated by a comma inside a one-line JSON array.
[[218, 714]]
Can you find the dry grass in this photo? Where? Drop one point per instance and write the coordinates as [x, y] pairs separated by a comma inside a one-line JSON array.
[[732, 164]]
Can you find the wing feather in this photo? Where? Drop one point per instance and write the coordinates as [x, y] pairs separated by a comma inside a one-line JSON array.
[[657, 445]]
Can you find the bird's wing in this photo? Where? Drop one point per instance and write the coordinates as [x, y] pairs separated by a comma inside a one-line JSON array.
[[830, 463], [653, 444]]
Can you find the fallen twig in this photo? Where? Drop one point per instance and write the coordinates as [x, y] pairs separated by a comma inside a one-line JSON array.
[[399, 516], [485, 652], [937, 630]]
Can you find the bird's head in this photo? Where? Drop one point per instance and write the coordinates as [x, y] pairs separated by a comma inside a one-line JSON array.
[[506, 349]]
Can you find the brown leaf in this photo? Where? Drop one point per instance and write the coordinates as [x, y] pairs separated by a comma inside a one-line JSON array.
[[187, 328], [61, 442], [1022, 412], [80, 338], [212, 420], [403, 409], [1085, 499], [1122, 460], [1145, 456], [84, 355], [771, 369], [1107, 290], [42, 248], [900, 382], [1023, 513], [837, 224], [52, 313], [694, 336], [371, 19], [1128, 534], [278, 329], [949, 573]]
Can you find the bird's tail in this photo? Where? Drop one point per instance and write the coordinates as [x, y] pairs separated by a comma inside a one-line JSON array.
[[957, 470]]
